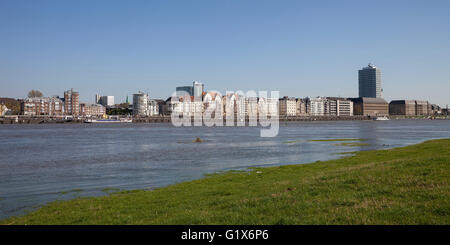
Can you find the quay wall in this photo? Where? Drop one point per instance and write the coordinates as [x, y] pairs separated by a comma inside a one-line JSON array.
[[164, 119]]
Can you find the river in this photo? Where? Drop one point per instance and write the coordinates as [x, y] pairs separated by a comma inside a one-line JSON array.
[[47, 162]]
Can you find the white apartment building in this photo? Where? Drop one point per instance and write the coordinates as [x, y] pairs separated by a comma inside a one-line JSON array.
[[107, 101], [104, 100], [317, 106], [236, 104], [345, 108], [288, 106], [186, 105], [268, 106], [153, 107], [336, 106], [144, 106]]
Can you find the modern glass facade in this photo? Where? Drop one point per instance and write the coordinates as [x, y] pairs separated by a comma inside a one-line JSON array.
[[370, 82]]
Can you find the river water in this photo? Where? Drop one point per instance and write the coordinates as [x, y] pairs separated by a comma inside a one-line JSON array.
[[47, 162]]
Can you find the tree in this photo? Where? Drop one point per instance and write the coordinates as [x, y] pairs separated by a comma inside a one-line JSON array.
[[12, 104], [34, 93]]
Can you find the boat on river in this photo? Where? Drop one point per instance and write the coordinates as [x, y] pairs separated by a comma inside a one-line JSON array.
[[383, 118], [120, 120]]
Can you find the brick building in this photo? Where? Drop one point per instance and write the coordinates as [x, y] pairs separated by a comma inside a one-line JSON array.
[[92, 110], [301, 107], [422, 108], [71, 103], [370, 106], [402, 107], [52, 106]]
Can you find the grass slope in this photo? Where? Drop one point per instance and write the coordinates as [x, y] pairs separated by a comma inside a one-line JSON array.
[[407, 185]]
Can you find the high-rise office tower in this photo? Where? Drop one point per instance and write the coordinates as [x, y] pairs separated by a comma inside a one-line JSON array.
[[184, 90], [197, 88], [104, 100], [370, 82], [107, 101]]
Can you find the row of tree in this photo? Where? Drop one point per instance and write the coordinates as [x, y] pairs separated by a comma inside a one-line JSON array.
[[35, 94]]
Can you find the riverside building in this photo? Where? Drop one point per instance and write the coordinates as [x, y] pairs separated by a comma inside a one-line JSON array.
[[370, 82], [153, 107], [92, 110], [185, 105], [287, 106], [71, 103], [435, 109], [49, 106], [144, 106], [370, 106], [196, 89], [410, 108], [301, 107], [422, 108], [336, 106], [402, 108], [317, 106], [140, 104], [105, 101]]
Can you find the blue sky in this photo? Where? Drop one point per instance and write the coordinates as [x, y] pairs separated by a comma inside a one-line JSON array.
[[301, 48]]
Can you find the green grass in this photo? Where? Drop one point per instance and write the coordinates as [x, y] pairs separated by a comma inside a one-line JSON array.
[[110, 190], [409, 185]]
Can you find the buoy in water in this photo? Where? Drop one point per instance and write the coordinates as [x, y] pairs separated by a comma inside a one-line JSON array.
[[197, 140]]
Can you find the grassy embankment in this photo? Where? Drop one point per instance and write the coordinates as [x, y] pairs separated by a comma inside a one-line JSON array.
[[409, 185]]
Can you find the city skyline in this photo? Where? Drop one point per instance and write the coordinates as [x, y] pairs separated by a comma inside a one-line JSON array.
[[302, 50]]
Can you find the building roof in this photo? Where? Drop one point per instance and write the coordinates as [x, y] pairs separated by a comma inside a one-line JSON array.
[[336, 98], [402, 102], [92, 105], [159, 101], [421, 102], [40, 99], [287, 98], [370, 66], [369, 100]]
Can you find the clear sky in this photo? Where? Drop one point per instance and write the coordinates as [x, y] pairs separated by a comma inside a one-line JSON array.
[[301, 48]]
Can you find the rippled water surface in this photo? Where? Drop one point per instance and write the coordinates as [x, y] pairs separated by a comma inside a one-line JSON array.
[[42, 163]]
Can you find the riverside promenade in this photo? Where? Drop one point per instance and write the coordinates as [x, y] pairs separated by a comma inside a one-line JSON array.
[[161, 119]]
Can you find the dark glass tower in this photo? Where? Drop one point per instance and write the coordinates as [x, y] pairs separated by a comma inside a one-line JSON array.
[[370, 82]]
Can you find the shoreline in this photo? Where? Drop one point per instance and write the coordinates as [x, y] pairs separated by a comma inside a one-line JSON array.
[[166, 119], [366, 183]]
